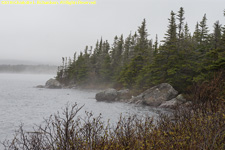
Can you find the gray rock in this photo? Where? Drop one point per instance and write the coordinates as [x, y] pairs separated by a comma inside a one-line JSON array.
[[53, 84], [181, 98], [72, 86], [107, 95], [188, 104], [40, 86], [124, 94], [138, 102], [157, 94], [137, 98], [170, 104]]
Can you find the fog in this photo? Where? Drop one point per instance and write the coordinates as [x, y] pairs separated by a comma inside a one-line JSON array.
[[45, 33], [28, 69]]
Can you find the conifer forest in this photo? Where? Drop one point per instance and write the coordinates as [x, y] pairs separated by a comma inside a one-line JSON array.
[[182, 58]]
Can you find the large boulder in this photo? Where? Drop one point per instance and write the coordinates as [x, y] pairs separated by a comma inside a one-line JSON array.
[[124, 94], [181, 98], [157, 95], [170, 104], [53, 84], [107, 95], [174, 102]]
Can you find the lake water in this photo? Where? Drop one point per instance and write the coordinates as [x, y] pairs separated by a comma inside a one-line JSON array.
[[20, 103]]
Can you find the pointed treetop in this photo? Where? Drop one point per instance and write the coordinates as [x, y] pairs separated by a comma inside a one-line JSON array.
[[180, 17], [203, 29], [171, 34]]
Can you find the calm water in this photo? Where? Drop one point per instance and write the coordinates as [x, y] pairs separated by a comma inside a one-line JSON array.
[[20, 103]]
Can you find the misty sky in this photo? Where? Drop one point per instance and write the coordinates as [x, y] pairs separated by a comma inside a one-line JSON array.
[[45, 33]]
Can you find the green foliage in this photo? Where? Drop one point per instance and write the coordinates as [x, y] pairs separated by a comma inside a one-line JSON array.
[[181, 59], [105, 71], [181, 19], [129, 74]]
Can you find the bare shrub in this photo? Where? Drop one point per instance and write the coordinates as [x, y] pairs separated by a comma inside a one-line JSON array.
[[187, 130]]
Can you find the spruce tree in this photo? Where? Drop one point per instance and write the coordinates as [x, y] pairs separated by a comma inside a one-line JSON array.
[[127, 49], [217, 35], [196, 35], [203, 30], [117, 51], [180, 18], [187, 34], [142, 41]]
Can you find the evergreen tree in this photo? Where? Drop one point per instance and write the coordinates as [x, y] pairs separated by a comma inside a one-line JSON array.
[[180, 18], [132, 47], [142, 41], [203, 30], [217, 35], [130, 72], [196, 35], [105, 69], [117, 51], [171, 35], [163, 66], [187, 34], [180, 59], [127, 48], [216, 56], [156, 45]]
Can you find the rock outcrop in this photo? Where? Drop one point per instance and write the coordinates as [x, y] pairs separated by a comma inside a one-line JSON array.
[[162, 96], [156, 95], [40, 86], [107, 95], [181, 98], [53, 84], [113, 95], [174, 102], [170, 104], [124, 94]]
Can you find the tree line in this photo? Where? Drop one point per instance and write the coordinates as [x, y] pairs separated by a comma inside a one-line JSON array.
[[37, 69], [181, 59]]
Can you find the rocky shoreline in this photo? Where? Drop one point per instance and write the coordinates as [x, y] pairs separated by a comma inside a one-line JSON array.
[[159, 96], [51, 84]]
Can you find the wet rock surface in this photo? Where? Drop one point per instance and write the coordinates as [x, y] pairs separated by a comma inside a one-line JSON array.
[[107, 95], [162, 96], [53, 84]]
